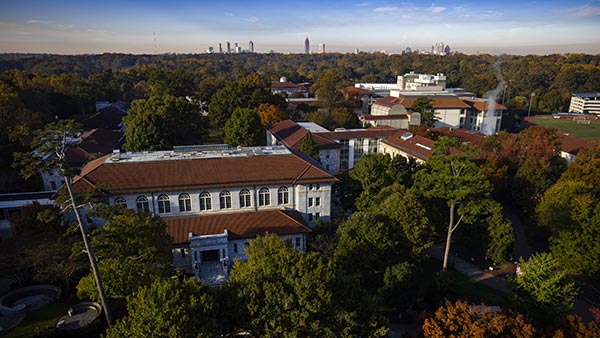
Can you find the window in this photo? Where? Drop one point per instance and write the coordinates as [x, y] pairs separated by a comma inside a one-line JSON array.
[[164, 204], [318, 186], [52, 185], [373, 146], [225, 200], [141, 203], [205, 201], [310, 217], [344, 154], [317, 201], [358, 148], [298, 242], [317, 216], [310, 187], [245, 201], [283, 196], [310, 201], [121, 202], [264, 197], [185, 203], [235, 248]]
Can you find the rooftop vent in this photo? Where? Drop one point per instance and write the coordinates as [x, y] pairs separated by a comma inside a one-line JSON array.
[[406, 136]]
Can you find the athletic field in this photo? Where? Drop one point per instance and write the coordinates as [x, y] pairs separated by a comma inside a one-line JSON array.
[[585, 131]]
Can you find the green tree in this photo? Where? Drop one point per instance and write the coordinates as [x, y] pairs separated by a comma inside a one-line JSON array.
[[329, 89], [133, 250], [462, 186], [243, 129], [309, 146], [382, 247], [543, 287], [423, 105], [36, 218], [287, 293], [374, 172], [159, 123], [248, 92], [169, 308]]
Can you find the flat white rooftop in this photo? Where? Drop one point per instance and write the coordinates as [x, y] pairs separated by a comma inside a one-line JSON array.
[[171, 155]]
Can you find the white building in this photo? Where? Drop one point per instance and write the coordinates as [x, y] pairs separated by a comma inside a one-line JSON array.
[[12, 203], [585, 103], [214, 202]]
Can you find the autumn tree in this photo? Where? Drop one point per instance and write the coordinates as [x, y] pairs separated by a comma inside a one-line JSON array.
[[309, 146], [576, 327], [243, 129], [461, 320], [170, 308], [543, 288], [133, 250], [269, 114], [460, 184], [423, 105], [161, 122]]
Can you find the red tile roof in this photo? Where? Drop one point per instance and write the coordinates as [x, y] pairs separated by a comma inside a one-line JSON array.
[[291, 135], [238, 225], [572, 145], [359, 91], [388, 101], [286, 85], [106, 118], [417, 146], [437, 102], [370, 117], [127, 177], [94, 142], [481, 105]]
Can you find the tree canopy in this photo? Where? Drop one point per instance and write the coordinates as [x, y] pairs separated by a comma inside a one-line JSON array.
[[309, 146], [244, 129], [133, 249], [423, 105], [161, 122]]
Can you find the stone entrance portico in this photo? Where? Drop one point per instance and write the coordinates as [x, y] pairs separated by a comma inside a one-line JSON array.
[[210, 257]]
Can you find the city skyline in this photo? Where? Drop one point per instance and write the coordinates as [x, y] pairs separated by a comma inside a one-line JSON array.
[[515, 27]]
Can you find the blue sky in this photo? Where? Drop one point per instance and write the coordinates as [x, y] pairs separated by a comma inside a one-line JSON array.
[[522, 27]]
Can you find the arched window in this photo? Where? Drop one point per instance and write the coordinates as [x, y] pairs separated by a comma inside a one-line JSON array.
[[121, 202], [164, 204], [283, 196], [245, 199], [225, 200], [185, 203], [205, 201], [141, 204], [264, 197]]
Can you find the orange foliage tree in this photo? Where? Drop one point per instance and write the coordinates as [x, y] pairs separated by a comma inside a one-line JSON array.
[[461, 320], [270, 114]]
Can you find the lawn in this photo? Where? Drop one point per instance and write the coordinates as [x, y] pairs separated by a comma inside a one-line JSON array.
[[38, 320], [585, 131]]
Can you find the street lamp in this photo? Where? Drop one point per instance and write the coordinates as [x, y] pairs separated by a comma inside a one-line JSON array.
[[530, 99]]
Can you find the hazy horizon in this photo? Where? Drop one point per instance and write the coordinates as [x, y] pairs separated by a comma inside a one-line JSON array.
[[153, 27]]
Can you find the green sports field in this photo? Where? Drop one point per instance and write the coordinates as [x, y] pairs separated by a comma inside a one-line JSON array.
[[586, 131]]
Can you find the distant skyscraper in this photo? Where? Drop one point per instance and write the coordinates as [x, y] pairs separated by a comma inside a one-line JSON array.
[[251, 46], [220, 48], [228, 46], [306, 46], [321, 48], [408, 50], [447, 49], [235, 48]]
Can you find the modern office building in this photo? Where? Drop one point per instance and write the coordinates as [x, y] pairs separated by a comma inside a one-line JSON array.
[[321, 48], [585, 103], [306, 46], [251, 46]]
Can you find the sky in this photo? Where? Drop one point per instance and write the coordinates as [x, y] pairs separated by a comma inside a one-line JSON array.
[[168, 26]]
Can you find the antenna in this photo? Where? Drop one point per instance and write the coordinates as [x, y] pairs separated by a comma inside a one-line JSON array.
[[154, 36]]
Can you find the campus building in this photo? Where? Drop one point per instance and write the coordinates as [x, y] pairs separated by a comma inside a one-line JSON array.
[[214, 202], [585, 103]]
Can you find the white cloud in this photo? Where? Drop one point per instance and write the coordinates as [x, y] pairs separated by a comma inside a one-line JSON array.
[[585, 11], [253, 19], [43, 22], [387, 9], [362, 4], [437, 9]]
